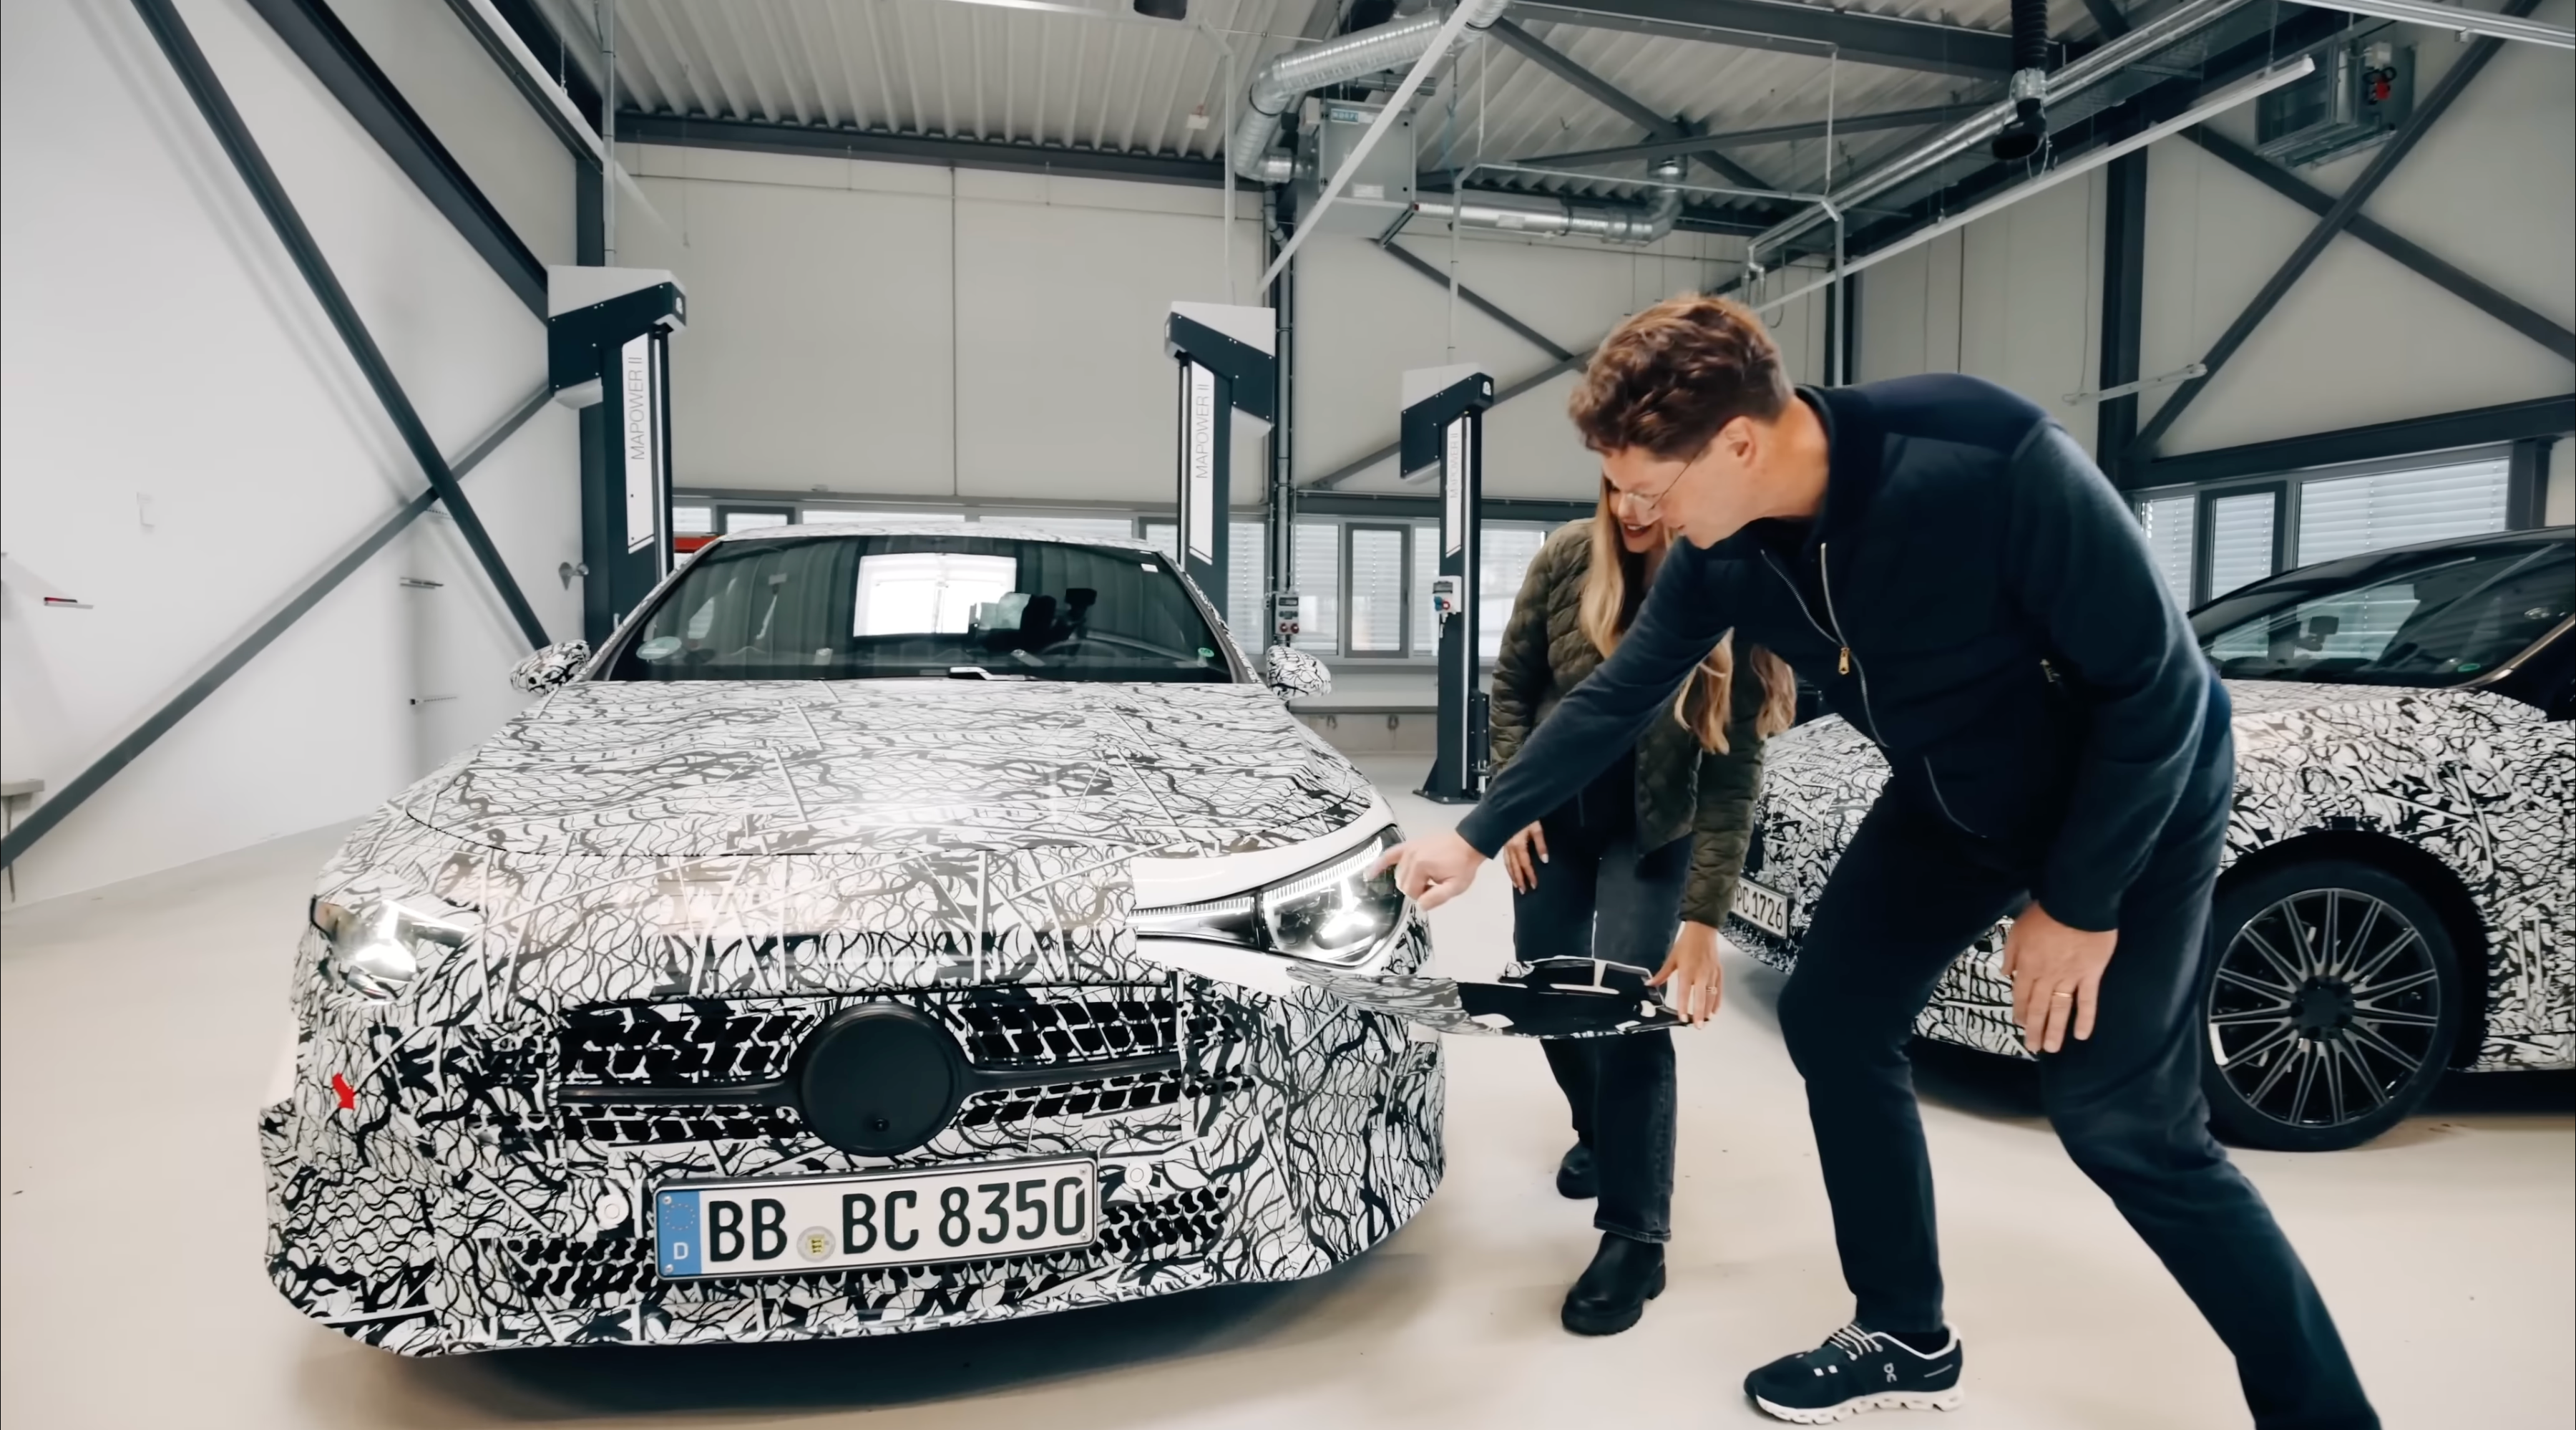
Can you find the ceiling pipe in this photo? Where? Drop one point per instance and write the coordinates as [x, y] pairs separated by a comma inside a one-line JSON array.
[[2092, 69], [2217, 103], [2457, 18], [1280, 83], [1549, 216]]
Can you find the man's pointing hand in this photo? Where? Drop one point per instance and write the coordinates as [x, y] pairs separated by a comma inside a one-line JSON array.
[[1432, 870]]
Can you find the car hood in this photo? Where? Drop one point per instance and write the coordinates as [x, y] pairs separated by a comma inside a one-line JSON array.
[[629, 771], [1822, 777]]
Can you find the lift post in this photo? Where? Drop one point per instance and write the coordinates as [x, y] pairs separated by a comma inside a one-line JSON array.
[[1444, 425], [1228, 381], [608, 346]]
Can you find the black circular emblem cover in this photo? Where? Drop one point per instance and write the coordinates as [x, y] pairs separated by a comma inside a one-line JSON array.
[[879, 1078]]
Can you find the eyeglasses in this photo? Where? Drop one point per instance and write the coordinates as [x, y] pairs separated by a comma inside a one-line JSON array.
[[1644, 505]]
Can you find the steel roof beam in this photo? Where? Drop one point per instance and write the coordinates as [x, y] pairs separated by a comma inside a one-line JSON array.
[[2522, 319], [179, 46], [634, 126], [1797, 28], [342, 65], [1568, 69], [1694, 144], [1659, 126], [2448, 88], [2539, 418], [70, 797]]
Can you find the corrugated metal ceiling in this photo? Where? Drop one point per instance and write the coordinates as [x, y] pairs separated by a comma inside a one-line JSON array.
[[1127, 85]]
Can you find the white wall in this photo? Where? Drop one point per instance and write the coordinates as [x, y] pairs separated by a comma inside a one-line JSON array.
[[2015, 298], [899, 329], [2358, 340], [188, 444], [1363, 318], [892, 329]]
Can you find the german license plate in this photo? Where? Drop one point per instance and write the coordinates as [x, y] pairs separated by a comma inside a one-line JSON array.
[[782, 1224], [1765, 908]]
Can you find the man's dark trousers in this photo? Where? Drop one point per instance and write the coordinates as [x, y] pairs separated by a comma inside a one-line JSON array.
[[1903, 900]]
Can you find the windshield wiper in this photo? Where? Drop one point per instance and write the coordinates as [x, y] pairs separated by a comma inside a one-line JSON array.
[[977, 672]]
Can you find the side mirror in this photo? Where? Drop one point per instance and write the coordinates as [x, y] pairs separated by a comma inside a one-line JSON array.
[[1292, 672], [554, 665]]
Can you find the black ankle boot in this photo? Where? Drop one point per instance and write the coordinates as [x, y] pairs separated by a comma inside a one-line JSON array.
[[1577, 1179], [1613, 1291]]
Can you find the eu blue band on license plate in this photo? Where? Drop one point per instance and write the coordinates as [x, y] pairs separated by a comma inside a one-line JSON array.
[[675, 1233]]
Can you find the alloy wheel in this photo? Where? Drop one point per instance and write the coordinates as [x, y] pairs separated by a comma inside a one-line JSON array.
[[2325, 1008]]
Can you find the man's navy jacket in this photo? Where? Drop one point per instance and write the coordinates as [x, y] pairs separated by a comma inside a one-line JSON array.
[[1974, 597]]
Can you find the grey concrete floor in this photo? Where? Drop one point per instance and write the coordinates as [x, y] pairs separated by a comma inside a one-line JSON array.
[[138, 1024]]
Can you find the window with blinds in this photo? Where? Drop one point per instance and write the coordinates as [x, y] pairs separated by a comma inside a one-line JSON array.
[[1319, 583], [2240, 539], [1376, 588], [1510, 546], [1247, 576], [1426, 567], [2168, 521], [2344, 516]]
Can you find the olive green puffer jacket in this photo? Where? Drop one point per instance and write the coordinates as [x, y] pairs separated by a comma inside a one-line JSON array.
[[1681, 788]]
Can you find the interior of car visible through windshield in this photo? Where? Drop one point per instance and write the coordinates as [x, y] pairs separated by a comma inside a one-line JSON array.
[[883, 606], [2424, 618]]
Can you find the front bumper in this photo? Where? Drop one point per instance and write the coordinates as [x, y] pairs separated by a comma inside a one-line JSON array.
[[435, 1200]]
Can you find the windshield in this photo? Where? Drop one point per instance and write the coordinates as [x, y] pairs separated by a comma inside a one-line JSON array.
[[2412, 618], [859, 607]]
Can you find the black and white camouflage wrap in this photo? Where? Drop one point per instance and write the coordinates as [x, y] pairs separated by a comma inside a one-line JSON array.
[[2482, 782], [682, 855]]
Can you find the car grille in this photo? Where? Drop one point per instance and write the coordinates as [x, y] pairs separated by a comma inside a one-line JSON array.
[[698, 1041], [1098, 1097], [1019, 1027], [712, 1041], [640, 1125]]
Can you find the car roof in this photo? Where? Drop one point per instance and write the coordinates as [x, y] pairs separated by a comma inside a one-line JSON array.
[[989, 530], [2360, 563]]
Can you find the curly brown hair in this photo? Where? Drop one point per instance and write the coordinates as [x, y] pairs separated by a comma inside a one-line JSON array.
[[1668, 378]]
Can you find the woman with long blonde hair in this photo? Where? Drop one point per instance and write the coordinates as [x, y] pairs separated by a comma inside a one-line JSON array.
[[1637, 869]]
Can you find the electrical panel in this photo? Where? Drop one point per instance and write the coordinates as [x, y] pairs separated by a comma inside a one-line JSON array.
[[1379, 194], [2358, 96]]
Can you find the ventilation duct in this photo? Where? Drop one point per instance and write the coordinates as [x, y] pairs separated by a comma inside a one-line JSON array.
[[1396, 45], [1545, 216], [1279, 84]]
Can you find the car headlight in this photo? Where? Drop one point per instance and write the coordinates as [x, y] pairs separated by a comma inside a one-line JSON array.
[[378, 947], [1332, 913]]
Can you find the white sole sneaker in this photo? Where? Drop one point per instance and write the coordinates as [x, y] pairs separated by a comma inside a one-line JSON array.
[[1950, 1399]]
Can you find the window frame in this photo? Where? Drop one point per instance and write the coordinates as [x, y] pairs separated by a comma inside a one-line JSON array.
[[1404, 591]]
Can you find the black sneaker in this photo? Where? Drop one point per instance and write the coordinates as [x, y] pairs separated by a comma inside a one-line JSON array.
[[1577, 1178], [1856, 1369]]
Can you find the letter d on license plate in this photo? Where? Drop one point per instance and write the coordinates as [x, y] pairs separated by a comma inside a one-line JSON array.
[[765, 1226]]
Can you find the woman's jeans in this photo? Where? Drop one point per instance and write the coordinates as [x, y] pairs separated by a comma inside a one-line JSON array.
[[1598, 898]]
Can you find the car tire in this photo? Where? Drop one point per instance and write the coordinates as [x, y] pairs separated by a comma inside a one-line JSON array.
[[2333, 997]]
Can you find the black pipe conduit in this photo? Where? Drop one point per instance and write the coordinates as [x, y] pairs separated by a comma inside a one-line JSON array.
[[2021, 137]]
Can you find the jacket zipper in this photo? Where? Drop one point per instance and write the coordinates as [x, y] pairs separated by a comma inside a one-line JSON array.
[[1850, 664]]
